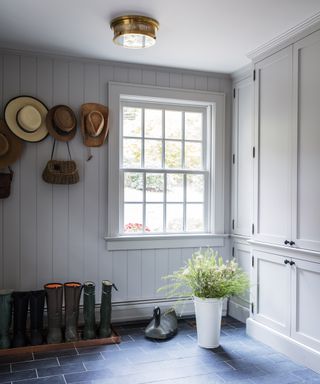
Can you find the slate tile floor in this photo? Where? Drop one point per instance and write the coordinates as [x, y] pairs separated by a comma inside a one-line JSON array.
[[136, 360]]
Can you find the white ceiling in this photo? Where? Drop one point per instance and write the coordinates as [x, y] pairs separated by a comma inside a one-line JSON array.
[[207, 35]]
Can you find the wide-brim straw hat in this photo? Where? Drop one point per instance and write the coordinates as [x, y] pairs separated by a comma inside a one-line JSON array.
[[10, 146], [94, 124], [26, 118], [61, 123]]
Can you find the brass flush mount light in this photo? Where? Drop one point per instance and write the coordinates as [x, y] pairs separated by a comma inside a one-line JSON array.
[[134, 31]]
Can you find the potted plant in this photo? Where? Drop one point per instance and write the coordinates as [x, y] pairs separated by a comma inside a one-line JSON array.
[[208, 280]]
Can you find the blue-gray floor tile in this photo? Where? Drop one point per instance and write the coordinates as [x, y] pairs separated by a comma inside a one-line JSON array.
[[45, 363], [88, 376], [80, 358], [15, 376], [44, 380], [61, 370]]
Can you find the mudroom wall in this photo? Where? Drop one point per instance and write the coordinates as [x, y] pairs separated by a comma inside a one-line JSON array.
[[56, 233]]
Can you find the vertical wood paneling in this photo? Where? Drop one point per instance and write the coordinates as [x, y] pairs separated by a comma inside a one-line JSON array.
[[11, 206], [44, 190], [28, 187], [56, 232], [76, 192], [60, 200]]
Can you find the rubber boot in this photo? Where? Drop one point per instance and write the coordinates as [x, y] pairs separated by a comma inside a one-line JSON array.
[[105, 309], [54, 294], [20, 313], [72, 293], [5, 317], [89, 331], [36, 317]]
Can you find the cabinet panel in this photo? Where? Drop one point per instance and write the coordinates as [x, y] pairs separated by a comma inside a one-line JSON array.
[[306, 183], [272, 294], [242, 186], [273, 113], [305, 296]]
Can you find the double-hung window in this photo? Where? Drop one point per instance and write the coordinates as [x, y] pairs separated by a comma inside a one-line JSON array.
[[162, 162]]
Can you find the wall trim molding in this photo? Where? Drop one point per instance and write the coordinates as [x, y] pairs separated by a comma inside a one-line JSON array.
[[289, 37], [296, 351], [238, 311], [242, 73]]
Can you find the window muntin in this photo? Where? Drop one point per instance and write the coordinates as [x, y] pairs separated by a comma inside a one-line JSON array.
[[164, 168]]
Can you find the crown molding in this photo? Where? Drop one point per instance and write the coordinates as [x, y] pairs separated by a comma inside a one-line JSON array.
[[289, 37]]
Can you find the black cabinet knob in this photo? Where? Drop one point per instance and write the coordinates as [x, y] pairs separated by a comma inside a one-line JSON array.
[[287, 261], [287, 242], [292, 243], [292, 263]]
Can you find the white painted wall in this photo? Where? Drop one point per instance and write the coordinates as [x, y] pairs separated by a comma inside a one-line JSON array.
[[55, 233]]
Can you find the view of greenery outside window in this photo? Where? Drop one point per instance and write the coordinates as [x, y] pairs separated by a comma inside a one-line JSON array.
[[164, 170]]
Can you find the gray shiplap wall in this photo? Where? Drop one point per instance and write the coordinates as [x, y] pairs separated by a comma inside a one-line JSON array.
[[55, 233]]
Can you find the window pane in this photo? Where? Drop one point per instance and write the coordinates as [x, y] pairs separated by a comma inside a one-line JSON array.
[[154, 186], [131, 153], [133, 221], [175, 187], [194, 219], [173, 154], [174, 217], [193, 126], [173, 125], [193, 156], [153, 123], [154, 217], [153, 154], [133, 186], [195, 188], [132, 121]]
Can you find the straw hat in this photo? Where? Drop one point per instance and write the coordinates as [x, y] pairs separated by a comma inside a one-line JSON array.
[[61, 123], [10, 146], [25, 117], [94, 124]]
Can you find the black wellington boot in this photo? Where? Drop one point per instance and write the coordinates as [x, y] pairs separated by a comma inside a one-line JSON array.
[[36, 316], [5, 317], [54, 294], [89, 302], [20, 313], [72, 293], [105, 309]]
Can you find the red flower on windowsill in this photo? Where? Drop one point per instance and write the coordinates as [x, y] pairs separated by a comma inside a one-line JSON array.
[[135, 227]]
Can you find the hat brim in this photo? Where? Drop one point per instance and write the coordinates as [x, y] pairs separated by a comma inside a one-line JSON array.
[[90, 141], [15, 146], [10, 115], [51, 128]]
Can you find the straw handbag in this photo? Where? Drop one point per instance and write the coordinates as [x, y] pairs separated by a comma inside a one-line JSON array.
[[61, 171]]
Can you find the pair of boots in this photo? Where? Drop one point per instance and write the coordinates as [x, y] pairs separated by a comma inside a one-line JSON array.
[[54, 293], [89, 310]]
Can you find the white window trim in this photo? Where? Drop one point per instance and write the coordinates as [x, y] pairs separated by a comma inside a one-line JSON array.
[[217, 101]]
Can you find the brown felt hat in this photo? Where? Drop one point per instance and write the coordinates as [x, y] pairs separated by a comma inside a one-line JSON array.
[[25, 117], [94, 124], [10, 146], [61, 123]]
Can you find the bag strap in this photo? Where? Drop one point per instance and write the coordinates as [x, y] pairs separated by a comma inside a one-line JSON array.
[[53, 148]]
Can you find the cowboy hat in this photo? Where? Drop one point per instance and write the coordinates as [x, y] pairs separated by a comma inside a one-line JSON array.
[[25, 117], [94, 124], [61, 123], [10, 146]]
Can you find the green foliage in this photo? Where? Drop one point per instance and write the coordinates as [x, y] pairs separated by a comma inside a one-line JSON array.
[[206, 275]]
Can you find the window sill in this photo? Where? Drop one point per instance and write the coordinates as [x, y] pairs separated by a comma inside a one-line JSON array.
[[164, 241]]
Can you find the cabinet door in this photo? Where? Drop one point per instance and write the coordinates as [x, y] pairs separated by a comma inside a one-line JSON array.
[[273, 121], [305, 303], [242, 176], [242, 255], [306, 182], [272, 291]]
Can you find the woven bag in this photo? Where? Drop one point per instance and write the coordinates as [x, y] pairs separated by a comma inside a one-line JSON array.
[[5, 183], [60, 171]]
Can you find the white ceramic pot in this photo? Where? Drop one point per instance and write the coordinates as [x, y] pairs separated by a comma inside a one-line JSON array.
[[208, 318]]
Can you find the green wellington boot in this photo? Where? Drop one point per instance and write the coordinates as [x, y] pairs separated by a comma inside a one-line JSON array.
[[54, 294], [89, 302], [72, 293], [5, 317], [106, 309]]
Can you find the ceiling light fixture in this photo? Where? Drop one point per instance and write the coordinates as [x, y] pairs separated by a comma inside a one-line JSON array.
[[134, 31]]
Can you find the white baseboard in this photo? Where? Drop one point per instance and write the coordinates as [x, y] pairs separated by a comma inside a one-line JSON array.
[[238, 311], [296, 351]]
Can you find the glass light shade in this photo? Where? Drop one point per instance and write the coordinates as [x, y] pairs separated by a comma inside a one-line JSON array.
[[133, 31]]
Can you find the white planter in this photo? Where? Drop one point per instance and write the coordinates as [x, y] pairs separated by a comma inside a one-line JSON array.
[[208, 317]]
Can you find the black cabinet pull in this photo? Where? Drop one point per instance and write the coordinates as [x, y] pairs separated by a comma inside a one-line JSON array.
[[287, 261], [287, 242], [292, 263], [292, 243]]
